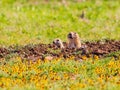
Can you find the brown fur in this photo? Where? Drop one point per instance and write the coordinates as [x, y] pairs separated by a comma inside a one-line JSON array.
[[74, 40]]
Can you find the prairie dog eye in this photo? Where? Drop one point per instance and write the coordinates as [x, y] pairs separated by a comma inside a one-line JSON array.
[[57, 40], [75, 33]]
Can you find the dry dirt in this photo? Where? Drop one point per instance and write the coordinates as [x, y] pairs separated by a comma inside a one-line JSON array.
[[41, 51]]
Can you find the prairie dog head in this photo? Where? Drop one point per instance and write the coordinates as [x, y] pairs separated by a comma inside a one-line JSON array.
[[70, 35], [73, 35], [58, 43]]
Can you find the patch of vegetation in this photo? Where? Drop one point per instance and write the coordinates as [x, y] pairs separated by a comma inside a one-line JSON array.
[[61, 74], [28, 21]]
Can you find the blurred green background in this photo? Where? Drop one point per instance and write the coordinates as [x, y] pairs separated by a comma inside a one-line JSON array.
[[40, 21]]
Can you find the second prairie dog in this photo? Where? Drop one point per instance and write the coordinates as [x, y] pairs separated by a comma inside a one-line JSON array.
[[58, 43], [74, 40]]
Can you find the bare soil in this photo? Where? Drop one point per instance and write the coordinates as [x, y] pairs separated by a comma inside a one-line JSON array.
[[40, 51]]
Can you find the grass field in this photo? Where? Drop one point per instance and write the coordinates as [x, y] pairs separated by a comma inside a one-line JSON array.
[[29, 21], [24, 22]]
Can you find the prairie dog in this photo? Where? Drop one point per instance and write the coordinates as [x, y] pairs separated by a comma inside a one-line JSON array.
[[71, 43], [58, 43], [74, 40]]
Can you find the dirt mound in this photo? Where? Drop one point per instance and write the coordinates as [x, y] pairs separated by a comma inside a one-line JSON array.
[[41, 51], [3, 52], [103, 47]]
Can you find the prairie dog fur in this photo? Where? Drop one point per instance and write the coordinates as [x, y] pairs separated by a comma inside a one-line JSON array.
[[58, 43], [74, 40]]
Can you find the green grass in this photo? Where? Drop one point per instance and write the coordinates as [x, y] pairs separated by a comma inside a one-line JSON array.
[[29, 21], [38, 21]]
